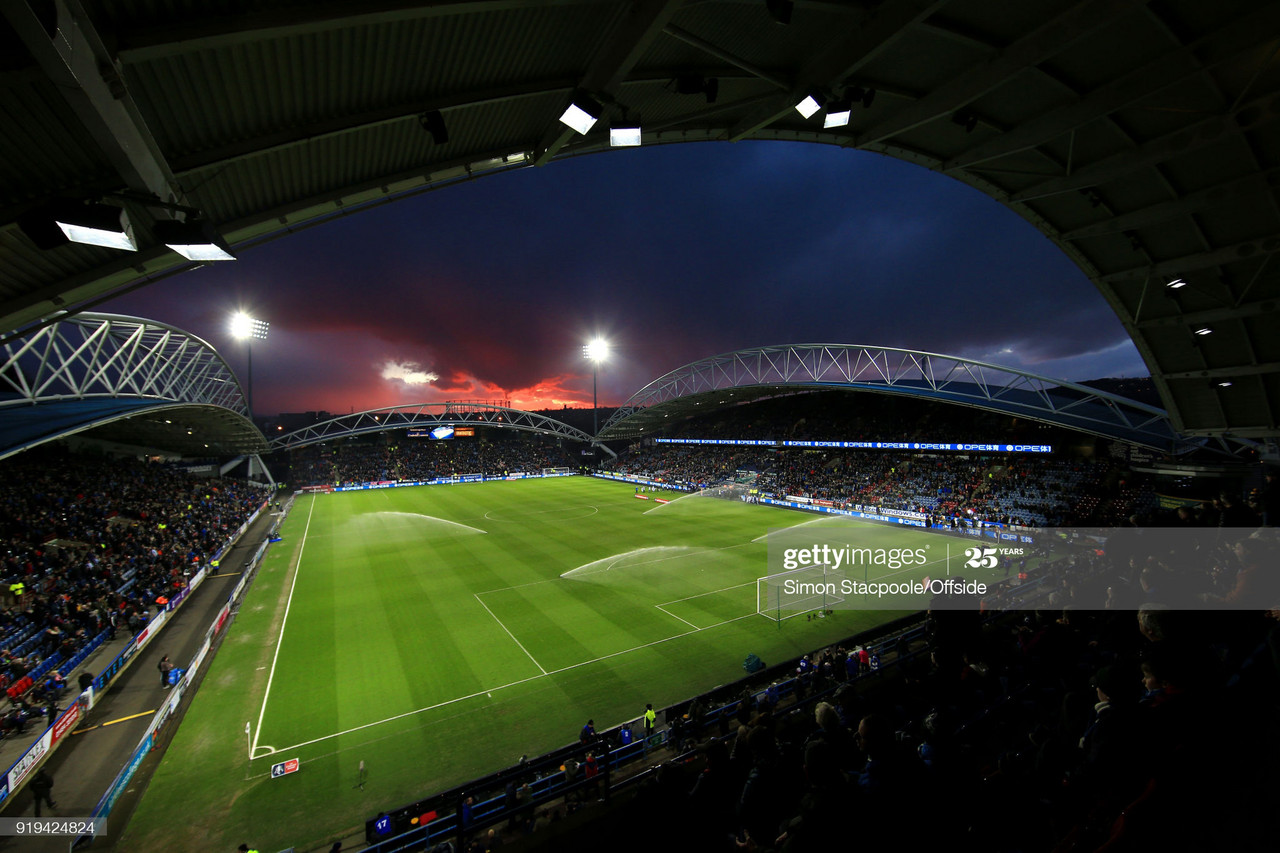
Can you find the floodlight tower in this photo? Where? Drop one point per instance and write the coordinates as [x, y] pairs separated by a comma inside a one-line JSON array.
[[247, 329], [595, 351]]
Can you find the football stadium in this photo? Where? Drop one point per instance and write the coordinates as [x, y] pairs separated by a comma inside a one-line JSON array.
[[539, 534]]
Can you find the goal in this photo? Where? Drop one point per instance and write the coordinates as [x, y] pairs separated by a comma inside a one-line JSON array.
[[799, 591], [556, 472]]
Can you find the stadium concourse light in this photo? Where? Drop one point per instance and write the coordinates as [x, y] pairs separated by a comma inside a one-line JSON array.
[[596, 350], [247, 329]]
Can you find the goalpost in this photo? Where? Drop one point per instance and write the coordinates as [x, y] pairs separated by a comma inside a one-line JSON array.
[[799, 591], [551, 472]]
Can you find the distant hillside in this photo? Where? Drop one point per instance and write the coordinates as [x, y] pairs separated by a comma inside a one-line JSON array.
[[1143, 390]]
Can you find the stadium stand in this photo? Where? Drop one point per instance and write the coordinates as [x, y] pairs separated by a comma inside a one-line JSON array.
[[393, 457], [90, 543]]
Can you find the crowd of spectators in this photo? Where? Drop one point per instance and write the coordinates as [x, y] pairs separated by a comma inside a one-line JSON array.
[[1059, 731], [1007, 489], [89, 544], [392, 457]]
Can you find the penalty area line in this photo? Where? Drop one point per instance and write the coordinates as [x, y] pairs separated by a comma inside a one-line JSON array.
[[673, 616], [511, 635], [489, 690]]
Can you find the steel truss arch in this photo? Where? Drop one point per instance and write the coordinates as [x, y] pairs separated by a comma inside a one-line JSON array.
[[127, 379], [88, 356], [928, 375], [427, 415]]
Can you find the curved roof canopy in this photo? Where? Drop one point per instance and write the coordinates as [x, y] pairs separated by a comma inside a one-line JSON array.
[[123, 379], [1141, 137], [749, 374], [425, 416]]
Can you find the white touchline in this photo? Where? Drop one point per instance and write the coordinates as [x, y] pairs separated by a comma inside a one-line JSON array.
[[505, 686], [271, 675], [511, 635]]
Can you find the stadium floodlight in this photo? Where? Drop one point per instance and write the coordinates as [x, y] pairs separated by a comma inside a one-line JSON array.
[[243, 326], [809, 104], [624, 134], [1175, 284], [582, 113], [838, 113], [195, 240], [1204, 330], [248, 329], [98, 225], [596, 350]]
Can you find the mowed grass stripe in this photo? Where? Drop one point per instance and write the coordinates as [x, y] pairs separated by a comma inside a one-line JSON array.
[[437, 576]]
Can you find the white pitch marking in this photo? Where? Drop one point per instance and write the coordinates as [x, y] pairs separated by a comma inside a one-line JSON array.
[[511, 684], [673, 616], [511, 635], [296, 571]]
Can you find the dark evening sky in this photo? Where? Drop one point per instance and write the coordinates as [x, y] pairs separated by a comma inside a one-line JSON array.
[[488, 290]]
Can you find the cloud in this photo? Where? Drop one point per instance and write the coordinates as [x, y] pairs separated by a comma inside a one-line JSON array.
[[408, 372]]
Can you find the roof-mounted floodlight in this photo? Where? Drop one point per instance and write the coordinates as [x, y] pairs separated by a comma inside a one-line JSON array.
[[1175, 284], [195, 240], [838, 113], [809, 104], [624, 134], [582, 113], [97, 225]]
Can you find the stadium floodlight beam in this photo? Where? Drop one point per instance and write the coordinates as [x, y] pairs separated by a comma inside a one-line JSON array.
[[98, 225], [596, 351], [248, 329]]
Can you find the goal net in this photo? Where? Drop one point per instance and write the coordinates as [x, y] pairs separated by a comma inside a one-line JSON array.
[[547, 472], [799, 591]]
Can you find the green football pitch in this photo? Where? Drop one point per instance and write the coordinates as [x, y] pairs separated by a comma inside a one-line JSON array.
[[439, 633]]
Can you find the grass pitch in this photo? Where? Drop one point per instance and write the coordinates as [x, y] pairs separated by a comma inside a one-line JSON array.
[[438, 633]]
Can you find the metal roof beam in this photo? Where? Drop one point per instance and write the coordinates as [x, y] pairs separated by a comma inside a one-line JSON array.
[[868, 37], [339, 125], [1163, 72], [72, 53], [1249, 249], [710, 49], [1188, 204], [208, 32], [1212, 130], [1032, 49], [1225, 372], [1213, 315], [632, 33]]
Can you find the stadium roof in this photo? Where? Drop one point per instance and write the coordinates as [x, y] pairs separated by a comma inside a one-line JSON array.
[[751, 374], [1141, 137], [122, 379]]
